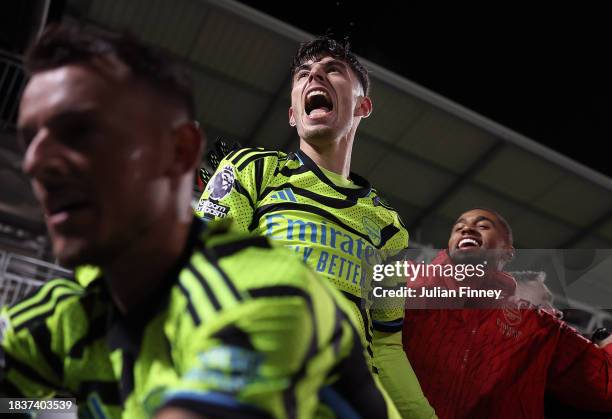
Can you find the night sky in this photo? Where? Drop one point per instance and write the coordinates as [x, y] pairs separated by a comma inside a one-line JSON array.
[[542, 74]]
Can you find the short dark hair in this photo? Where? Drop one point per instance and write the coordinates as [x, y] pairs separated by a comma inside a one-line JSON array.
[[65, 44], [324, 46], [502, 220]]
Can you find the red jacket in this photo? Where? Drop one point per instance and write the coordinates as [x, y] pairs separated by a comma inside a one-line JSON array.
[[497, 363]]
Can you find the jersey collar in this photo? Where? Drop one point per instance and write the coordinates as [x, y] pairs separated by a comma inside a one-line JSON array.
[[139, 316], [355, 193]]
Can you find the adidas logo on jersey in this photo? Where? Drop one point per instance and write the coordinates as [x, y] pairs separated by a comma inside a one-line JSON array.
[[284, 195]]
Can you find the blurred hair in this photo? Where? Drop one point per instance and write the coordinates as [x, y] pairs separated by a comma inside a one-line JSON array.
[[529, 276], [62, 45]]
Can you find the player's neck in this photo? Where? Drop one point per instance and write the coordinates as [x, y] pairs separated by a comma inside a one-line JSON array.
[[334, 156], [138, 271]]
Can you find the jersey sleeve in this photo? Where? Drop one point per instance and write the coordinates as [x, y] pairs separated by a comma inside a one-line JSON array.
[[30, 335], [234, 189], [284, 348], [398, 377], [247, 364], [354, 379], [388, 312], [580, 372], [395, 372]]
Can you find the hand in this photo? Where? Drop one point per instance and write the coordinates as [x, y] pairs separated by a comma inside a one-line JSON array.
[[602, 343], [601, 337]]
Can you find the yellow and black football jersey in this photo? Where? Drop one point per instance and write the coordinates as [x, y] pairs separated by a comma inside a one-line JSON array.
[[338, 228]]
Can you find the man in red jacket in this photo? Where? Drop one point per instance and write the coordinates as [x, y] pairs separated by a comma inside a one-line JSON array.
[[497, 361]]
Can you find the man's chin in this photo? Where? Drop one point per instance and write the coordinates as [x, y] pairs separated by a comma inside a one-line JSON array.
[[70, 259], [469, 257], [490, 257], [74, 252], [318, 134]]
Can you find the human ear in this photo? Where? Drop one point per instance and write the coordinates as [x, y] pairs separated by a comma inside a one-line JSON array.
[[364, 107]]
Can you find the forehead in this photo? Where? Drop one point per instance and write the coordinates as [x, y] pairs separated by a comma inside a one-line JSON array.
[[473, 215], [324, 59], [67, 88]]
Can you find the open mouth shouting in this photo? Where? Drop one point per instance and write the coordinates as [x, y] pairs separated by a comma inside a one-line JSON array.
[[318, 103], [468, 249]]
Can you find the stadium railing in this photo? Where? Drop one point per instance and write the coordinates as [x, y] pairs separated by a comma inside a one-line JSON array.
[[12, 82], [20, 275]]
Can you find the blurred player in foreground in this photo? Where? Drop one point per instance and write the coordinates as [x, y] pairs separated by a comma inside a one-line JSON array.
[[177, 320], [311, 202], [496, 359]]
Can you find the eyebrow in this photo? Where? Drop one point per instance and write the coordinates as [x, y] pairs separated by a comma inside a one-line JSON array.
[[326, 64], [27, 131], [483, 218], [478, 219]]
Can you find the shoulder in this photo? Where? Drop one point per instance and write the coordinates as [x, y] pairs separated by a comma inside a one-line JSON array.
[[239, 286], [395, 232], [55, 298], [232, 268], [249, 157], [253, 261], [381, 202]]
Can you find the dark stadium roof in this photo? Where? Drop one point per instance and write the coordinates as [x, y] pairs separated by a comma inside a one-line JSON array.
[[430, 157]]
